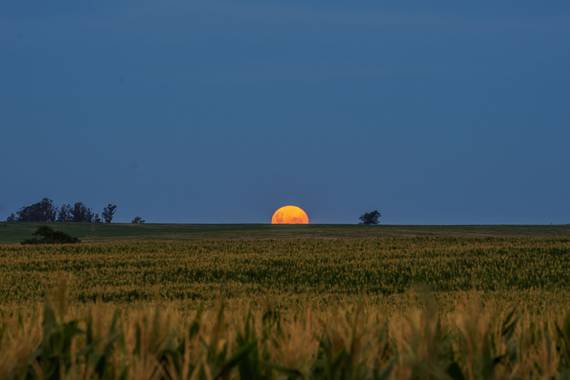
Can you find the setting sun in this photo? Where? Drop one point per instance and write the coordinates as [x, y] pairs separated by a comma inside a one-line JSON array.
[[290, 215]]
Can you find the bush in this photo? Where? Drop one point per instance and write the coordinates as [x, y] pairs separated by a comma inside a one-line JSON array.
[[369, 218], [137, 220], [49, 236]]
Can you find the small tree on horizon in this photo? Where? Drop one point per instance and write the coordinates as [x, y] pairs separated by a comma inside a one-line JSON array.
[[137, 220], [109, 212], [370, 218], [64, 213], [81, 213]]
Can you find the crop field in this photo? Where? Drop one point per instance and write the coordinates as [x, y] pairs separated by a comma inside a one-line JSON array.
[[292, 263], [263, 302]]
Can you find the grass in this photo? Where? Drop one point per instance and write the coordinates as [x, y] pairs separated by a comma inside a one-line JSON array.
[[16, 232], [286, 302]]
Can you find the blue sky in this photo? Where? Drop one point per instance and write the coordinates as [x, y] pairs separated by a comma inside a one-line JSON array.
[[221, 111]]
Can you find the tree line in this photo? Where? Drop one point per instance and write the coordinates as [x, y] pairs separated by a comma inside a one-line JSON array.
[[46, 211]]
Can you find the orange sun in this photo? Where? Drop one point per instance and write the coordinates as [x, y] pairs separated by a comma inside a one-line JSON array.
[[290, 215]]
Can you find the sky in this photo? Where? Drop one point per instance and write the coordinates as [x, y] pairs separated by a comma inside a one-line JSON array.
[[440, 112]]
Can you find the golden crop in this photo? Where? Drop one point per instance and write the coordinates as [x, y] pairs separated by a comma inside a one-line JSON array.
[[317, 269], [417, 307], [362, 341]]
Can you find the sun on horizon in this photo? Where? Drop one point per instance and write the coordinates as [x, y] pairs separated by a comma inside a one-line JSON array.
[[290, 215]]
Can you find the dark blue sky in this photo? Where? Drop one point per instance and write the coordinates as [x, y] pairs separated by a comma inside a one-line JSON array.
[[221, 111]]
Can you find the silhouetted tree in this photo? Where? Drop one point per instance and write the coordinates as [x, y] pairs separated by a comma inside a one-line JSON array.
[[81, 213], [372, 217], [64, 213], [43, 211], [49, 236], [137, 220], [109, 212]]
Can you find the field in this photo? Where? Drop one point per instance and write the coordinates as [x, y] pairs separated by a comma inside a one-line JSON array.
[[248, 301]]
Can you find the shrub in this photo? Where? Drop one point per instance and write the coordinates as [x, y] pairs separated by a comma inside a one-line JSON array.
[[49, 236]]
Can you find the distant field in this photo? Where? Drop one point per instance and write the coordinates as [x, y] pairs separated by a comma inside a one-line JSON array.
[[198, 263], [16, 232]]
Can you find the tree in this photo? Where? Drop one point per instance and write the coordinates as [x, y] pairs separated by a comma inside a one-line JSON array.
[[372, 217], [43, 211], [81, 213], [109, 213], [137, 220], [64, 213]]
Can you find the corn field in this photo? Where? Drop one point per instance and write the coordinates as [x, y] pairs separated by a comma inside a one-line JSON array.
[[328, 307], [361, 341], [201, 270]]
